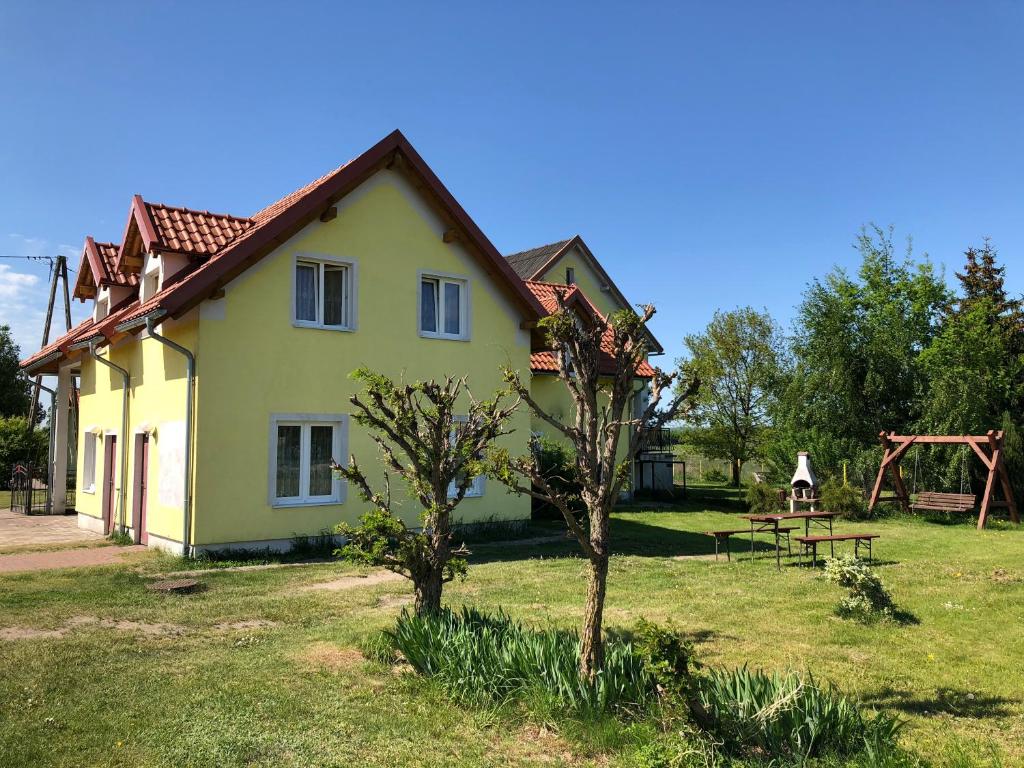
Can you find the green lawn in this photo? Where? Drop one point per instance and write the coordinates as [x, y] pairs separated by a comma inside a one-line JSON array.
[[192, 681], [5, 499]]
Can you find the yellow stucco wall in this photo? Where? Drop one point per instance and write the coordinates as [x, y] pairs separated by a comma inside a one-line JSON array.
[[254, 363], [156, 405]]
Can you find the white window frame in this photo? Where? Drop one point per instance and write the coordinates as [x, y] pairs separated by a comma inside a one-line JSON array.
[[476, 488], [464, 305], [339, 422], [102, 308], [89, 462], [349, 302]]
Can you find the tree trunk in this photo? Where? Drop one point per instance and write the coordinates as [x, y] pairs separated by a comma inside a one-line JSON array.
[[592, 646], [428, 592], [737, 467]]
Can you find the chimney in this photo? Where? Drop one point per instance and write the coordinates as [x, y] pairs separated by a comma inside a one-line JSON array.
[[804, 475]]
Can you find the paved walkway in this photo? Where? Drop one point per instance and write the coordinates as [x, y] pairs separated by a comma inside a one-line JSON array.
[[18, 530], [67, 558]]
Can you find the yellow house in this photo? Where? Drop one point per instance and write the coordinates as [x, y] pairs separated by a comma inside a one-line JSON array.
[[214, 371]]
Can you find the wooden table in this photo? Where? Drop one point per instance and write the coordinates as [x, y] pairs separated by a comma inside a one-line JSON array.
[[766, 523]]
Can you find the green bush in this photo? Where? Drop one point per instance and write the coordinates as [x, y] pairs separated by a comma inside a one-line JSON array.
[[847, 500], [557, 464], [790, 716], [487, 660], [868, 599], [762, 499], [714, 475]]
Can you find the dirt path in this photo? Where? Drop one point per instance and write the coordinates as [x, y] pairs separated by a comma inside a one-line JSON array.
[[66, 558]]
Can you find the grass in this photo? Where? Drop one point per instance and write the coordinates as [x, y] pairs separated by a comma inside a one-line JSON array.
[[217, 689], [5, 499]]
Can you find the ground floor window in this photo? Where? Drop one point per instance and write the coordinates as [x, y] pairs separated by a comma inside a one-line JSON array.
[[89, 463], [476, 487], [302, 448]]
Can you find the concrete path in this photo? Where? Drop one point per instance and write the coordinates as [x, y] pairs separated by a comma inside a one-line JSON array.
[[67, 558], [18, 530]]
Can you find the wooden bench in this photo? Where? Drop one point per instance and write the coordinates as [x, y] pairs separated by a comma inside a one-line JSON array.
[[944, 502], [811, 543], [724, 536]]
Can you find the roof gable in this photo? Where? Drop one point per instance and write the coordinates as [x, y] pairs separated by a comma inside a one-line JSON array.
[[97, 268], [543, 259], [229, 245]]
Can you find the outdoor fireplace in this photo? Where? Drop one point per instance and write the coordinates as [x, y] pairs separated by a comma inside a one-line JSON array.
[[804, 484]]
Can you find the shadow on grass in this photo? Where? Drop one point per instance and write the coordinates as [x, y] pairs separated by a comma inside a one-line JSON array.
[[629, 537], [947, 701]]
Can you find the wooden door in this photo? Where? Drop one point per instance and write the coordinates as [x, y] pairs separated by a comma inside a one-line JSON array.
[[109, 491]]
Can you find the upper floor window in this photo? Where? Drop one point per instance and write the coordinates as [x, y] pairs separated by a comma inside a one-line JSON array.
[[444, 307], [570, 276], [102, 309], [324, 293]]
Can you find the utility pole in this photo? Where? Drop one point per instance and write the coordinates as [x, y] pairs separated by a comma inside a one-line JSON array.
[[58, 271]]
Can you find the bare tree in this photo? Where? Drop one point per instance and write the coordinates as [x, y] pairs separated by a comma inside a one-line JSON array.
[[438, 452], [598, 363]]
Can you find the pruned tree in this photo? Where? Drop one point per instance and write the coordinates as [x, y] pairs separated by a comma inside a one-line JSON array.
[[598, 362], [438, 451]]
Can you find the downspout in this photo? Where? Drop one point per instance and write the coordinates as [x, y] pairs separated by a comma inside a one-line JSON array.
[[124, 427], [190, 376]]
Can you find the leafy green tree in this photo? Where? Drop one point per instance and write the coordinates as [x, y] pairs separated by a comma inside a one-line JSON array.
[[739, 362], [19, 444], [856, 345], [599, 425], [437, 447], [15, 391]]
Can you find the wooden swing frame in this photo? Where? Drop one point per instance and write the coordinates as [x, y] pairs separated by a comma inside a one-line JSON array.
[[987, 447]]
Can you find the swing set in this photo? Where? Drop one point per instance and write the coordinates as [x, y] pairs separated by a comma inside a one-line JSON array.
[[987, 447]]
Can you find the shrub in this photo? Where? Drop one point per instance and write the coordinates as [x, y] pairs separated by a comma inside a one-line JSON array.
[[868, 598], [485, 660], [714, 475], [557, 464], [847, 500], [762, 499], [790, 715]]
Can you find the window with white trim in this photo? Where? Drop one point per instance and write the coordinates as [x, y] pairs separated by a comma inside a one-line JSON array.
[[102, 309], [302, 448], [570, 276], [89, 462], [324, 293], [444, 307], [476, 487]]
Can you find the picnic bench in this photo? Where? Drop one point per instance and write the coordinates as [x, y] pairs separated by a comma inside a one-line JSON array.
[[944, 502], [771, 524], [810, 543], [724, 536]]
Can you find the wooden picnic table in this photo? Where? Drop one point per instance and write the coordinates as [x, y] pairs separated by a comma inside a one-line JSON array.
[[771, 522]]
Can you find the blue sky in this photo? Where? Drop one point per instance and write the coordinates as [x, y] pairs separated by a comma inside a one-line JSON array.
[[712, 155]]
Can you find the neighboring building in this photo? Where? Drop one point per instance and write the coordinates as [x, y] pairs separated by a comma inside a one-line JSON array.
[[236, 337]]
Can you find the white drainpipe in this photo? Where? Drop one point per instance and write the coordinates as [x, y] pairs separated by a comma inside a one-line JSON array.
[[123, 493], [190, 368]]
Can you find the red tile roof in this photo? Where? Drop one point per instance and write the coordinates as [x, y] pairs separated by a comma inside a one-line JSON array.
[[546, 361], [231, 244], [199, 233]]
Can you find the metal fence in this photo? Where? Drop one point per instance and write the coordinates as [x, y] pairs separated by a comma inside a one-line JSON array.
[[30, 495]]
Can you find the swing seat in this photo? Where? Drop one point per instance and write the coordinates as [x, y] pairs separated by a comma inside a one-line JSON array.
[[944, 502]]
